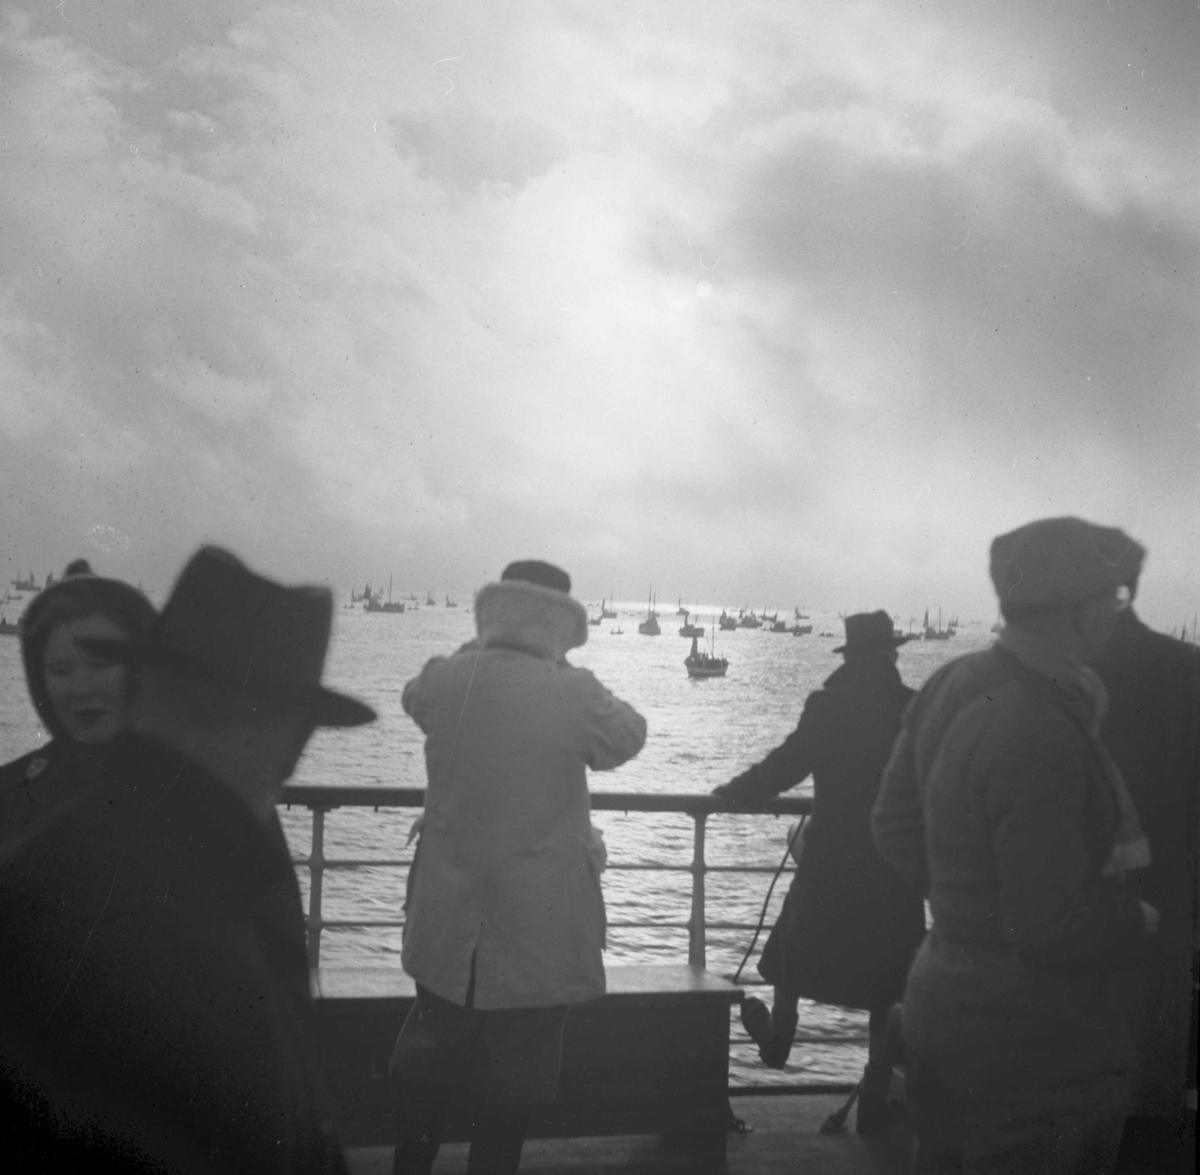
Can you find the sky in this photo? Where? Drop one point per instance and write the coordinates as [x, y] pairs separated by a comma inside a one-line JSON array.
[[757, 303]]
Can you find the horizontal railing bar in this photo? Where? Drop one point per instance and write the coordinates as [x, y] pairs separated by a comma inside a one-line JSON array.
[[308, 795], [611, 924], [382, 863]]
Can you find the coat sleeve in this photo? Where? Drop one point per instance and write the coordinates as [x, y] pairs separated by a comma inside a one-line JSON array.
[[613, 730], [898, 818], [418, 696], [787, 765], [1053, 906]]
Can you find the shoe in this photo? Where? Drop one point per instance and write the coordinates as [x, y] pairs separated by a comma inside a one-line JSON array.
[[756, 1019]]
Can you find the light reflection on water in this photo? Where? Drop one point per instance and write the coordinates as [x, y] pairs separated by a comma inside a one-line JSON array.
[[701, 734]]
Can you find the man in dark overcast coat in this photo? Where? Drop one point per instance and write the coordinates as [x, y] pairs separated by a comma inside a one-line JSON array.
[[849, 925], [1152, 731]]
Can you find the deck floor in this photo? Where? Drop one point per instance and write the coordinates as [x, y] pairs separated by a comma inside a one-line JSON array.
[[784, 1136]]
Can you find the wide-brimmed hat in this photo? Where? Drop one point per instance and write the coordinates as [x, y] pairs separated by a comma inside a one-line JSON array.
[[228, 626], [870, 632], [1056, 562]]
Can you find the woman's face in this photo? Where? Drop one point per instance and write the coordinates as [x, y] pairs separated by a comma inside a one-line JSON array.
[[86, 691]]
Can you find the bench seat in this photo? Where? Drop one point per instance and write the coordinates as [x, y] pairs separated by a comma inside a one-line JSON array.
[[651, 1056]]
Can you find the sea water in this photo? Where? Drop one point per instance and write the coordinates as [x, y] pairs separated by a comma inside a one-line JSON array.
[[701, 733]]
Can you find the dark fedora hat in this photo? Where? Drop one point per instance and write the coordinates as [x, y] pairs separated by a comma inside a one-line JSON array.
[[226, 625], [870, 632]]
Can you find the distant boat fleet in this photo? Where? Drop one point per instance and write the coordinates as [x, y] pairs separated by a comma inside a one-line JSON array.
[[374, 601]]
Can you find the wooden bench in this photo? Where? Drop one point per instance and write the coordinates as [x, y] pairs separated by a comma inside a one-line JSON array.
[[649, 1057]]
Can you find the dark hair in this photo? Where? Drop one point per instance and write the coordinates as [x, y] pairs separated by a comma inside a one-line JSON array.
[[78, 595]]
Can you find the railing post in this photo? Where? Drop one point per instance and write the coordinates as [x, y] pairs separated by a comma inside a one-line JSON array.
[[316, 875], [697, 943]]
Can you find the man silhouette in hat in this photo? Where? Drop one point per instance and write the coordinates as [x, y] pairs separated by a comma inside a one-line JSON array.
[[1000, 803], [849, 925], [153, 974], [505, 915]]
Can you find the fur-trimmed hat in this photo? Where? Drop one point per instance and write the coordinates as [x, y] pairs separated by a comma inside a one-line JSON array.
[[531, 606], [1056, 562]]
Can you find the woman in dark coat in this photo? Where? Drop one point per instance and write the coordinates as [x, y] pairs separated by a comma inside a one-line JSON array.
[[80, 697], [849, 926]]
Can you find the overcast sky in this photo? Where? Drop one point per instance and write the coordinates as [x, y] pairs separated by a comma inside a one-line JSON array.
[[773, 303]]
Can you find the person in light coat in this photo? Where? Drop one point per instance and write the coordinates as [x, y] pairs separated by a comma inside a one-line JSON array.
[[505, 916]]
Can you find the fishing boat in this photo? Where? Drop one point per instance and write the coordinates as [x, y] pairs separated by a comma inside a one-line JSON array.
[[704, 664], [798, 615], [451, 603], [681, 610], [649, 626], [748, 619], [8, 629], [778, 625], [725, 622], [377, 603], [939, 633], [802, 629], [430, 602], [29, 584], [607, 613], [687, 628], [595, 620]]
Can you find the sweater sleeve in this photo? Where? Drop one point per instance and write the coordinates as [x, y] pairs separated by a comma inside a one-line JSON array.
[[898, 819], [1054, 907], [784, 767]]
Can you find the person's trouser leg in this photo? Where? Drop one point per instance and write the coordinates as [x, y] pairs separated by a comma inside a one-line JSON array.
[[937, 1126], [436, 1049], [522, 1055], [498, 1139], [420, 1113], [874, 1115]]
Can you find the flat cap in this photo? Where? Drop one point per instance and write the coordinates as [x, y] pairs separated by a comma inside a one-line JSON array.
[[1062, 561]]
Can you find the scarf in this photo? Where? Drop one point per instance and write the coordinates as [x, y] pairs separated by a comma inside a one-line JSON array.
[[1087, 703]]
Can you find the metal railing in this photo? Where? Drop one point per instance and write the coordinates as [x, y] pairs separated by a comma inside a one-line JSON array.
[[322, 800]]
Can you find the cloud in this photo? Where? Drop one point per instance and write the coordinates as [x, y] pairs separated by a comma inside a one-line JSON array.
[[737, 293]]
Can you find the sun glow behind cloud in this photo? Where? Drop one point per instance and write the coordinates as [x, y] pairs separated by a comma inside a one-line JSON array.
[[758, 298]]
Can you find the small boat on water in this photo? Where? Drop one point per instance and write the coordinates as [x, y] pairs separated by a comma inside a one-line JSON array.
[[7, 629], [376, 603], [607, 613], [681, 610], [649, 626], [704, 664], [451, 603], [687, 628], [617, 631], [28, 584], [802, 630], [939, 633], [726, 622], [430, 602]]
